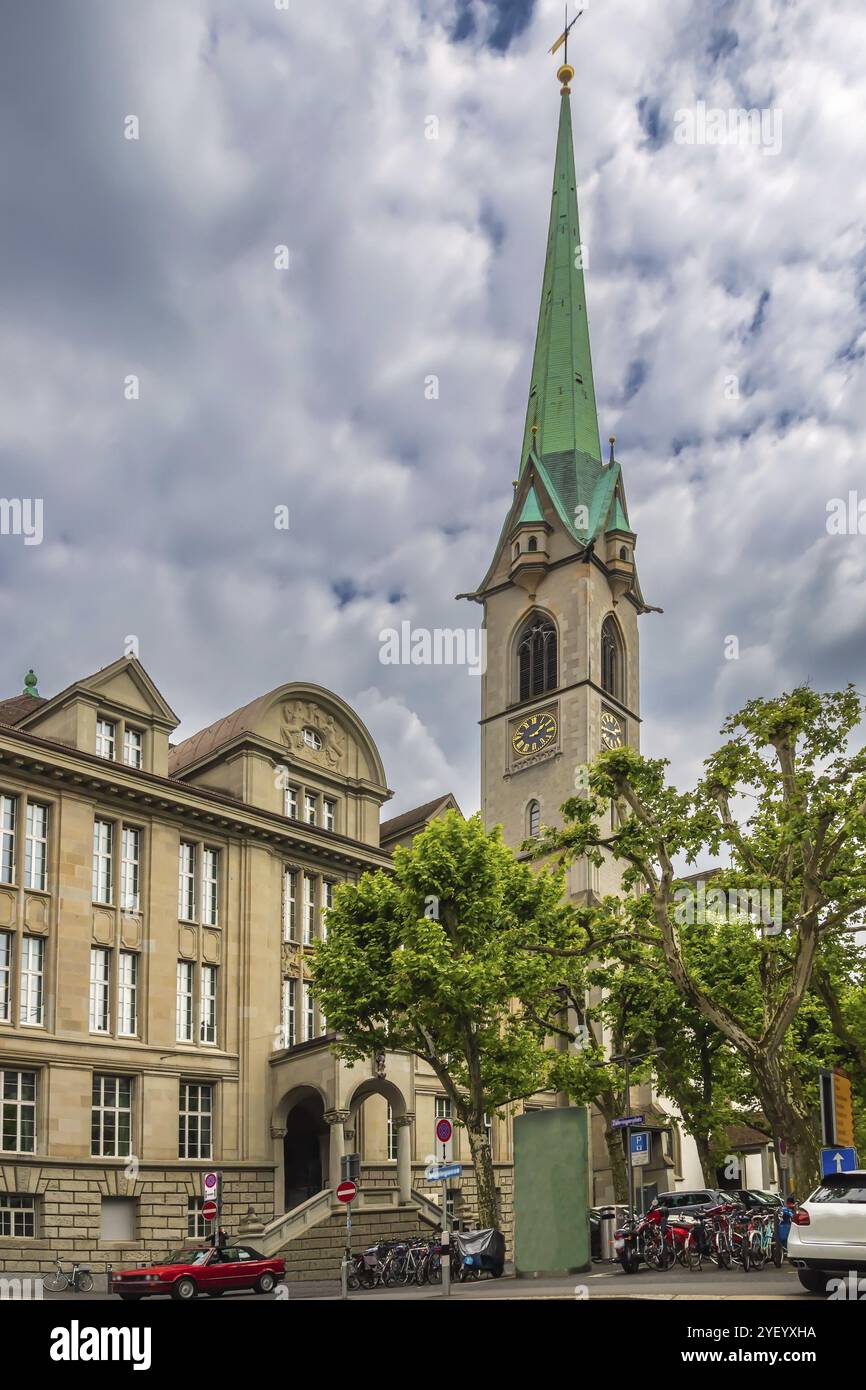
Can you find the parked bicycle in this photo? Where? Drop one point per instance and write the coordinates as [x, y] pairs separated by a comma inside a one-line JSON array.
[[80, 1280]]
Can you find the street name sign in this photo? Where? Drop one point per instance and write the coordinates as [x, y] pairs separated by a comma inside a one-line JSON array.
[[628, 1120], [441, 1172]]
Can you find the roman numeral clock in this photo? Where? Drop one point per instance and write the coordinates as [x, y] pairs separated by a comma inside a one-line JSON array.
[[534, 734]]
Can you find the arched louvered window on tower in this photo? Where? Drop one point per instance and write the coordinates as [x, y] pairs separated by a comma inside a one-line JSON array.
[[533, 819], [536, 658], [612, 659]]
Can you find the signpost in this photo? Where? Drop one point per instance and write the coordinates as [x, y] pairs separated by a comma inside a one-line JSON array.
[[640, 1148], [211, 1189], [346, 1192], [444, 1131], [839, 1160], [628, 1120]]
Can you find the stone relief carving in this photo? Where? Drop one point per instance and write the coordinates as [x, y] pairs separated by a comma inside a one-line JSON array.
[[299, 715]]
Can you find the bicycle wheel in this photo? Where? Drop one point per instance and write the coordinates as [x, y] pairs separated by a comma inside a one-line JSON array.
[[757, 1253], [434, 1268], [85, 1283], [56, 1281], [692, 1253]]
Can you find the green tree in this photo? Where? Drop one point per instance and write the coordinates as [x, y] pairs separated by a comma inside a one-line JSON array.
[[424, 960], [801, 840]]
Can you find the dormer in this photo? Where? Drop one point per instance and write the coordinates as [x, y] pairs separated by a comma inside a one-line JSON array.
[[529, 545], [117, 714]]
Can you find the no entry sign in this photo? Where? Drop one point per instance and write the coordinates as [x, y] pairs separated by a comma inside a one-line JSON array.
[[444, 1130], [346, 1192], [209, 1210]]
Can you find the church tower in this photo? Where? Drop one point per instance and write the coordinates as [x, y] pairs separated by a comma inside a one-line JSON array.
[[561, 597]]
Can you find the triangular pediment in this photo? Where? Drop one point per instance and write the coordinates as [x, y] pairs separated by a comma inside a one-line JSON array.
[[123, 687]]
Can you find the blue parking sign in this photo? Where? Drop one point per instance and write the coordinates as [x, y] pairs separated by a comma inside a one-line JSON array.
[[835, 1161], [640, 1142]]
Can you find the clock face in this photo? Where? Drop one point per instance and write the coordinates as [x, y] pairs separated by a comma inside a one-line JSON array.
[[533, 733], [611, 730]]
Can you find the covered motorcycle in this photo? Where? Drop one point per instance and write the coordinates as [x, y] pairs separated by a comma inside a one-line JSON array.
[[480, 1252]]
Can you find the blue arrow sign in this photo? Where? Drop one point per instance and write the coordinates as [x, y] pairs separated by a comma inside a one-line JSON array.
[[835, 1161]]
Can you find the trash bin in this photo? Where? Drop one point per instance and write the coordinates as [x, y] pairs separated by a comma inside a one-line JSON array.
[[607, 1226]]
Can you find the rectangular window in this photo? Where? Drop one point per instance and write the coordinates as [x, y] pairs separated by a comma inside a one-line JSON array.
[[443, 1107], [309, 1008], [290, 905], [105, 740], [118, 1218], [392, 1136], [208, 1024], [103, 861], [17, 1216], [309, 908], [5, 976], [196, 1228], [292, 803], [111, 1117], [132, 747], [18, 1111], [31, 986], [210, 863], [36, 847], [127, 994], [100, 985], [288, 1013], [310, 808], [184, 1000], [196, 1113], [186, 883], [8, 812], [327, 904], [330, 813], [130, 860]]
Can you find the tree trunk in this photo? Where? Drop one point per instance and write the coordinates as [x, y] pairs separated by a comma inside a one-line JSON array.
[[791, 1120], [616, 1155], [485, 1182]]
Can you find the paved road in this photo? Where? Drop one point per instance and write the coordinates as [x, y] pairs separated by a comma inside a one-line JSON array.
[[602, 1281]]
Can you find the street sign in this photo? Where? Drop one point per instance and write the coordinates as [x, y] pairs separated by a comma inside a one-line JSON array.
[[640, 1148], [346, 1192], [209, 1211], [628, 1120], [444, 1130], [838, 1161], [844, 1107], [441, 1172], [210, 1186], [837, 1110]]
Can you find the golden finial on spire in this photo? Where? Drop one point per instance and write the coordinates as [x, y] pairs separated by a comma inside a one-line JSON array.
[[566, 72]]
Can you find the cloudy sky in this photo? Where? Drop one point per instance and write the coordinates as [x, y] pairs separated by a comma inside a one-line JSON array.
[[727, 298]]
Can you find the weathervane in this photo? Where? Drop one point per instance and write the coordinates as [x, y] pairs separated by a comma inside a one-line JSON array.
[[566, 72]]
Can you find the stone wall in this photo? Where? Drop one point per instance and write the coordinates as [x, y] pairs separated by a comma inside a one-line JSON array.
[[316, 1255], [467, 1211], [69, 1203]]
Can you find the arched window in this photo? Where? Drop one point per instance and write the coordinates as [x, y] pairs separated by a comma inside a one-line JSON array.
[[517, 550], [612, 659], [536, 658], [533, 819], [533, 543], [623, 553]]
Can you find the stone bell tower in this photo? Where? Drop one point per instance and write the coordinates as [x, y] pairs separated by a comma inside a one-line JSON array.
[[561, 596]]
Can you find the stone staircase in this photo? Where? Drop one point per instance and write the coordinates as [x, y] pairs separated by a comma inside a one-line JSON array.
[[311, 1238]]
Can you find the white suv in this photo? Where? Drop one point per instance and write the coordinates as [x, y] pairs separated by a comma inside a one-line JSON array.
[[828, 1232]]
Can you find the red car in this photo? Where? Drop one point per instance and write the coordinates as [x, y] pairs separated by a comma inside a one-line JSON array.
[[189, 1272]]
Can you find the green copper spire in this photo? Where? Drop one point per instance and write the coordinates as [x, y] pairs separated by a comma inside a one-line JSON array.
[[562, 394]]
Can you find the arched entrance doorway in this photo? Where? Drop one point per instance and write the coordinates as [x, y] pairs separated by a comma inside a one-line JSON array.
[[305, 1149]]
